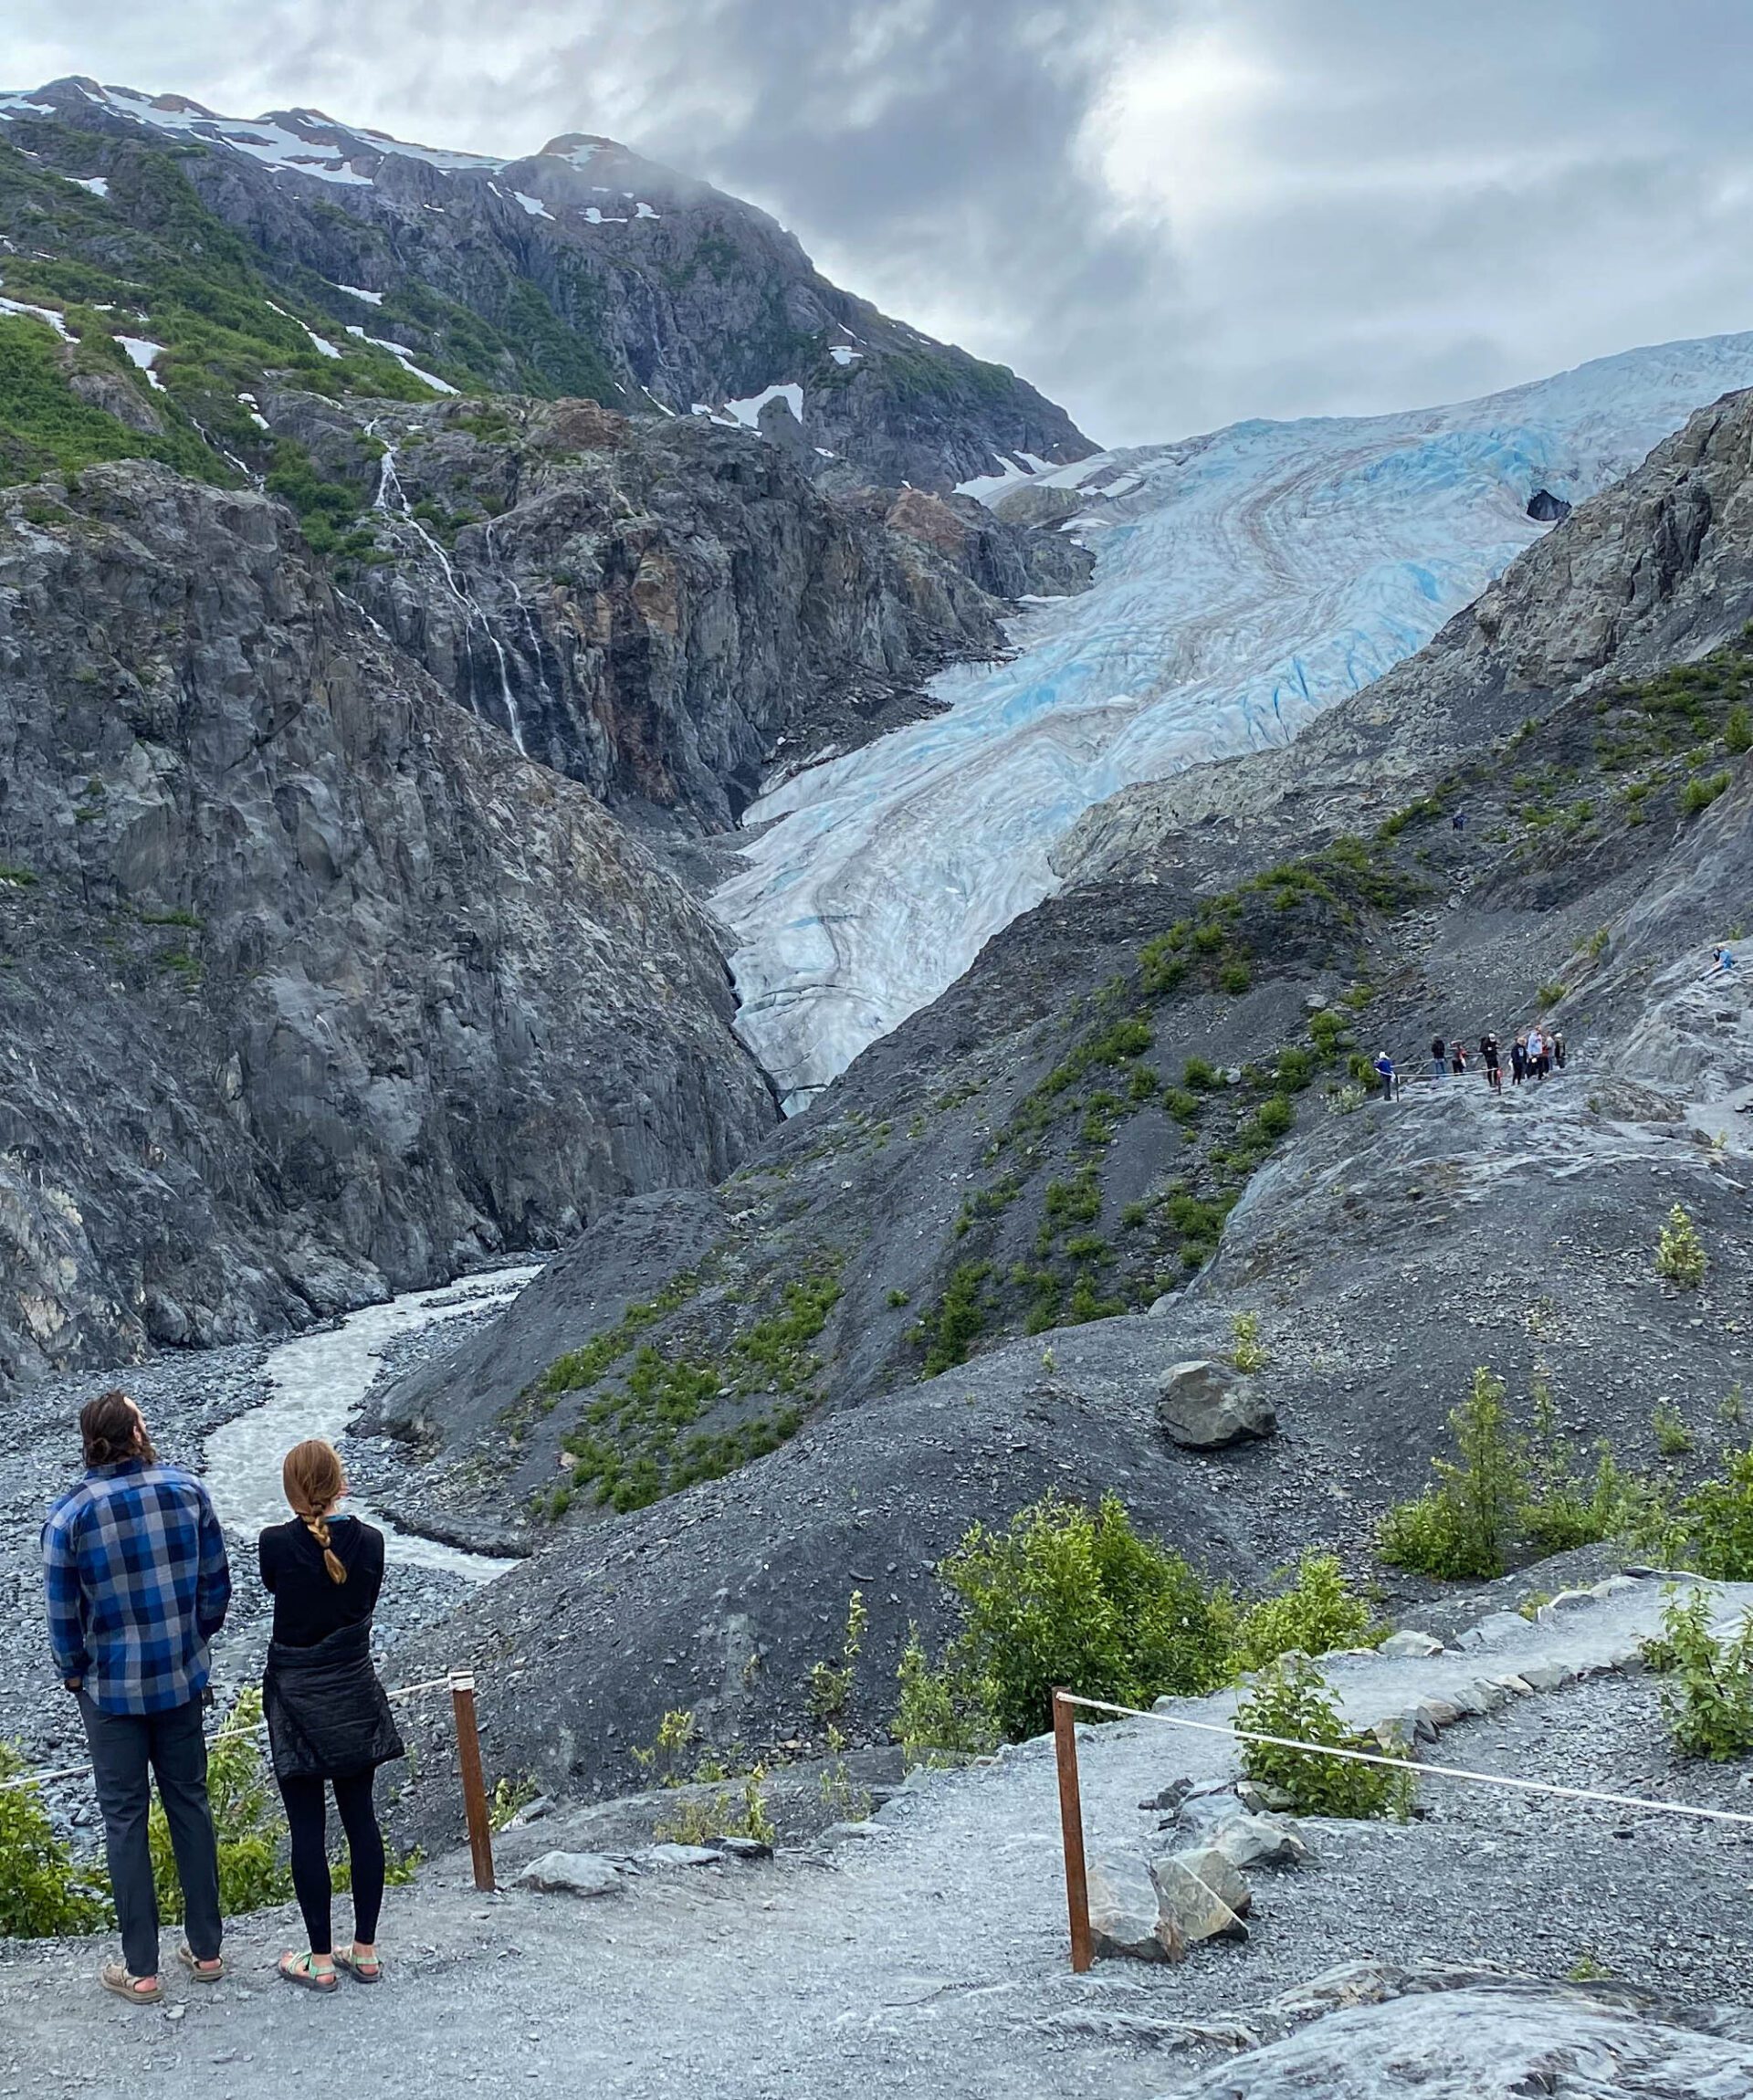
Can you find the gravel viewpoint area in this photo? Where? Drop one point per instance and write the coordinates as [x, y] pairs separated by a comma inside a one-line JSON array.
[[934, 1937]]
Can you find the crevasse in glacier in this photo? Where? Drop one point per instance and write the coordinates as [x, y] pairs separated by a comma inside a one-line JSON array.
[[1244, 580]]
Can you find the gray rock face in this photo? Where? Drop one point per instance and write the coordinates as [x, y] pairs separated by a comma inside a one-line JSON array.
[[619, 279], [1248, 1840], [1204, 1405], [1125, 1914], [668, 612], [585, 1874], [316, 988]]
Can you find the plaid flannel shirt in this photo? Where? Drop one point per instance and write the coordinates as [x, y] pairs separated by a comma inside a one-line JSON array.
[[135, 1570]]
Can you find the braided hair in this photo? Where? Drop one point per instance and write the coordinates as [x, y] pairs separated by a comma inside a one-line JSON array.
[[315, 1481]]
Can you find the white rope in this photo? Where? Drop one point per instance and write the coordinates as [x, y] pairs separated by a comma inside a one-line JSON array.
[[1417, 1767], [223, 1736]]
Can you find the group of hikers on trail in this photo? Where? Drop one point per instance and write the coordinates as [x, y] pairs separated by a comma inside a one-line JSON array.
[[1534, 1054], [138, 1585]]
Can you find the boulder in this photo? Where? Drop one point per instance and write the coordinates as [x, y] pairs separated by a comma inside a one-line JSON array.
[[1261, 1841], [1201, 1895], [1125, 1914], [1409, 1642], [571, 1873], [681, 1856], [1203, 1405]]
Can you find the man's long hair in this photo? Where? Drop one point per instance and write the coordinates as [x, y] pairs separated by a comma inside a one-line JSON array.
[[111, 1430]]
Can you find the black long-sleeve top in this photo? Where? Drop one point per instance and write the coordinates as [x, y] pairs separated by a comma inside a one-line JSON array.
[[308, 1606]]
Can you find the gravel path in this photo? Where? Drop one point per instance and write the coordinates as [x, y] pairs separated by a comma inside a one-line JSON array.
[[930, 1957]]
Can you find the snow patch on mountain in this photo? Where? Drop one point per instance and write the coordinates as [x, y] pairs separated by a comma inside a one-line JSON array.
[[1246, 580]]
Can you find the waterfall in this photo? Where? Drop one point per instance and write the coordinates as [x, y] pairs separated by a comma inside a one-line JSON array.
[[392, 501]]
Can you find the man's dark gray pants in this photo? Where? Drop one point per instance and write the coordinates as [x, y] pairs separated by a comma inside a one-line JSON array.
[[124, 1747]]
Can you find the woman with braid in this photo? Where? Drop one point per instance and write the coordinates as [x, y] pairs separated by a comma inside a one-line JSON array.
[[328, 1722]]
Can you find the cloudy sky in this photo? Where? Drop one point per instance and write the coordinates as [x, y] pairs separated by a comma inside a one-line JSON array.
[[1169, 214]]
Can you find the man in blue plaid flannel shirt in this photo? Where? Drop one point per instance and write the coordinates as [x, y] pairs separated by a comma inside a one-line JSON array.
[[134, 1566]]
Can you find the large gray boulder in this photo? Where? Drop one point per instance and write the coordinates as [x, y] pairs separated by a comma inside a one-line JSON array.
[[1203, 1405], [1201, 1894], [1125, 1914], [1260, 1841], [571, 1873]]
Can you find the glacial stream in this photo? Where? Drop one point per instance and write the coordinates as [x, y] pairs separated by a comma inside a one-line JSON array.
[[319, 1382]]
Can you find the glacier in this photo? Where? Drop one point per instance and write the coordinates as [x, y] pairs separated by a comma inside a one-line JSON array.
[[1246, 580]]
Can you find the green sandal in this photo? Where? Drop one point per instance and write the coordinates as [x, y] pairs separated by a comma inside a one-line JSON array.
[[369, 1971], [300, 1969]]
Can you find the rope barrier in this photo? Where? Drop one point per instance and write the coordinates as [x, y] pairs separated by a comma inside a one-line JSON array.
[[225, 1734], [1415, 1766]]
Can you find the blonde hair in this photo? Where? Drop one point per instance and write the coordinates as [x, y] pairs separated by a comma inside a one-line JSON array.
[[315, 1481]]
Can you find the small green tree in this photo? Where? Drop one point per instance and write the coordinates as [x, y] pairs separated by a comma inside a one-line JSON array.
[[1715, 1522], [43, 1893], [1317, 1614], [1680, 1257], [1248, 1351], [1289, 1699], [1066, 1595], [1462, 1524], [831, 1683], [1708, 1695], [944, 1712]]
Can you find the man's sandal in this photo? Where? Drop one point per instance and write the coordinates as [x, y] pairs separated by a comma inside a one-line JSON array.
[[136, 1989], [202, 1971], [367, 1969], [301, 1969]]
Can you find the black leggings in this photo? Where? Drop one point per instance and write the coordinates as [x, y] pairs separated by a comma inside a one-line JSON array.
[[307, 1815]]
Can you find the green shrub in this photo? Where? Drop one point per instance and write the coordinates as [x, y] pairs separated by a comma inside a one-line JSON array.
[[831, 1683], [1319, 1613], [1065, 1595], [1563, 1511], [1463, 1524], [958, 1320], [943, 1713], [1707, 1695], [1549, 994], [1248, 1351], [1738, 730], [1701, 792], [1289, 1699], [43, 1894], [896, 1298], [1201, 1076], [1672, 1438], [1680, 1257], [1235, 977], [1275, 1116], [1713, 1528]]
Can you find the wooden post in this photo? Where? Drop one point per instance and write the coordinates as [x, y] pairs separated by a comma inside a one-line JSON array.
[[468, 1762], [1071, 1824]]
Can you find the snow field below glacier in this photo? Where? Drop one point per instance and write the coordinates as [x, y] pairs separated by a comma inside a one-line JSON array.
[[1246, 580]]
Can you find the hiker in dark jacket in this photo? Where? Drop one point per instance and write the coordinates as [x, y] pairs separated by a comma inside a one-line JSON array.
[[329, 1721], [137, 1582]]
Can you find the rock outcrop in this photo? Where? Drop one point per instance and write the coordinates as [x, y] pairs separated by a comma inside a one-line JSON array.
[[314, 987]]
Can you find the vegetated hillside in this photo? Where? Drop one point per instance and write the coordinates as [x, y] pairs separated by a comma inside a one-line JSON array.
[[582, 269], [961, 1275]]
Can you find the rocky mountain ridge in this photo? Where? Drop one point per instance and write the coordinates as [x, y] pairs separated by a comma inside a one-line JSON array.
[[582, 269]]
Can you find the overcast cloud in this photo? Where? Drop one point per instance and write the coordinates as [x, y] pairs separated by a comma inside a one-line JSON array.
[[1167, 214]]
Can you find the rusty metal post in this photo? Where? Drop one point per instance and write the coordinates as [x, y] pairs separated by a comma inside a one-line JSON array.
[[1071, 1824], [469, 1762]]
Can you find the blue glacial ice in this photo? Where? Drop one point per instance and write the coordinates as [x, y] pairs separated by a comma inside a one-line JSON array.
[[1246, 580]]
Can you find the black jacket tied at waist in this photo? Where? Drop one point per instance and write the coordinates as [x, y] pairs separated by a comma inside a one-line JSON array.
[[327, 1713]]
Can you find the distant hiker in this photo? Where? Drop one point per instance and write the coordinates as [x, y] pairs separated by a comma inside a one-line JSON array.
[[135, 1571], [1557, 1048], [328, 1720], [1385, 1073], [1537, 1053], [1459, 820], [1518, 1060], [1724, 961], [1439, 1059], [1494, 1069], [1457, 1058]]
